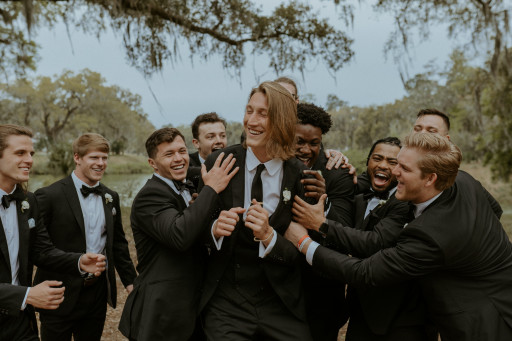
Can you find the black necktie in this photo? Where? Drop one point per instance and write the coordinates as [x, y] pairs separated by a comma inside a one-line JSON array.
[[257, 186], [90, 190], [384, 195], [410, 214], [181, 186]]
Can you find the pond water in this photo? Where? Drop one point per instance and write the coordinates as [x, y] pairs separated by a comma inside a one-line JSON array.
[[127, 185]]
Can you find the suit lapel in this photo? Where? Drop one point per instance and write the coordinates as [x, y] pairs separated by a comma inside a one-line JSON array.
[[290, 175], [237, 185], [4, 248], [109, 219], [24, 240], [73, 201], [179, 198], [360, 204]]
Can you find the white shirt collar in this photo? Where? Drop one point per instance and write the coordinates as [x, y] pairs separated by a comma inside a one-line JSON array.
[[272, 166], [422, 206], [2, 192], [200, 158]]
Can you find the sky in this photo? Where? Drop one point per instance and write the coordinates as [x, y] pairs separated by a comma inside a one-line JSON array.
[[185, 90]]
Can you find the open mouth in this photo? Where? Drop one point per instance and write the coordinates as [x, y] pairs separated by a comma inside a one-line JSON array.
[[254, 132], [304, 159], [381, 179], [178, 167]]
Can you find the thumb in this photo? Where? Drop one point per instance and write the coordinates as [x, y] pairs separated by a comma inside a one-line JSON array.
[[238, 210], [203, 170], [322, 199], [53, 283]]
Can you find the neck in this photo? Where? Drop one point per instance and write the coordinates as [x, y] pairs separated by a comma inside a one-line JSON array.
[[84, 179], [426, 197], [7, 187], [261, 154]]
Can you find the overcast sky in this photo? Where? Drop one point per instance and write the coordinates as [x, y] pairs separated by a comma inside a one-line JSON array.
[[185, 90]]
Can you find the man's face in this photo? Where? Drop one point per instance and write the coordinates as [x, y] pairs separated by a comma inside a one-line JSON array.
[[91, 167], [381, 164], [212, 136], [171, 159], [308, 140], [292, 90], [16, 161], [411, 181], [431, 124], [256, 123]]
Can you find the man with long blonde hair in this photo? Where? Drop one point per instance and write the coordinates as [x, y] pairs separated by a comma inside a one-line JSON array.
[[253, 286]]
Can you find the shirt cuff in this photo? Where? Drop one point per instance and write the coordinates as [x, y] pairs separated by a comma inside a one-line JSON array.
[[326, 212], [311, 252], [265, 251], [218, 243], [24, 303], [83, 273]]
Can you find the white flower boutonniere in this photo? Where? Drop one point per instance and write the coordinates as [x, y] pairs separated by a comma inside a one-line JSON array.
[[382, 202], [24, 205], [287, 195], [108, 198]]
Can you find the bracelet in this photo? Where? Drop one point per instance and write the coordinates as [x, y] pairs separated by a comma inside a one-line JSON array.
[[301, 246], [301, 240], [264, 240]]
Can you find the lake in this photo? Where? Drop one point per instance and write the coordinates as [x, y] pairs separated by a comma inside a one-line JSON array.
[[127, 185]]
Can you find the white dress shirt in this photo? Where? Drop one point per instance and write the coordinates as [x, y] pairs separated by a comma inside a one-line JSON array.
[[374, 202], [271, 179], [94, 218]]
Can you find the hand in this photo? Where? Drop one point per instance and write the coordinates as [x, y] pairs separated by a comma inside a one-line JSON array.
[[314, 187], [129, 288], [335, 159], [93, 263], [194, 197], [295, 232], [45, 296], [352, 171], [226, 222], [309, 216], [257, 221], [219, 176]]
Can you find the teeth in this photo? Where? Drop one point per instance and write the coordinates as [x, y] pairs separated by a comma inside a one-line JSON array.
[[254, 132], [178, 167]]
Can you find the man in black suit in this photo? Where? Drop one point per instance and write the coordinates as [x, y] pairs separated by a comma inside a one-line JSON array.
[[386, 313], [325, 298], [24, 242], [169, 237], [209, 135], [81, 214], [455, 247], [253, 286]]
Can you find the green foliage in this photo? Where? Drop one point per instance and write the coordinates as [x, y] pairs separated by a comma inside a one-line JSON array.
[[60, 160]]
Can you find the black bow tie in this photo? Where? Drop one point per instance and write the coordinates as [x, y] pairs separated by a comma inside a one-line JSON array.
[[381, 195], [181, 186], [17, 195], [90, 190]]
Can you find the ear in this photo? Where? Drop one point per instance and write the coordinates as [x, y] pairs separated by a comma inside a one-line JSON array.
[[448, 137], [431, 180], [152, 164], [76, 158], [195, 142]]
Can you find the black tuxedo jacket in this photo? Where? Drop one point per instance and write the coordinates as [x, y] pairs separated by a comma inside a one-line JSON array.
[[194, 169], [282, 264], [461, 256], [34, 248], [171, 254], [63, 218]]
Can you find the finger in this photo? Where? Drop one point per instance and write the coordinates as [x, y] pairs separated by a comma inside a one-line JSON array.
[[229, 165], [232, 174], [219, 159], [339, 162], [315, 173], [237, 210], [203, 170], [322, 199], [297, 213], [227, 161], [330, 163], [299, 201], [53, 283]]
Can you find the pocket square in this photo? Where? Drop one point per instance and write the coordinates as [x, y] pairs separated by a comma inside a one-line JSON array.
[[114, 212], [31, 223]]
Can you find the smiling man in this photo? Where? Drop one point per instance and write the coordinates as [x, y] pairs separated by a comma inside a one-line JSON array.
[[168, 233], [81, 214], [253, 287], [24, 242], [455, 247]]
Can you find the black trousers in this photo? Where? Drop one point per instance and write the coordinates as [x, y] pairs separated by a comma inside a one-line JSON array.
[[269, 319], [20, 328], [86, 321]]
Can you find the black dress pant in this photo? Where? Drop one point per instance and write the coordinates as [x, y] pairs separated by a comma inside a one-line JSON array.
[[20, 328], [85, 322]]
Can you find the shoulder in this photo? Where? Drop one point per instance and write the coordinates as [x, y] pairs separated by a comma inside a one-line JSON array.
[[55, 187], [236, 149]]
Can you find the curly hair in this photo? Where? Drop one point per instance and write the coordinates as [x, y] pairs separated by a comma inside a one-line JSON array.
[[308, 113]]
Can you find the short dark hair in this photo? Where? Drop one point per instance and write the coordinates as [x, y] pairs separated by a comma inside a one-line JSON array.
[[7, 130], [210, 117], [308, 113], [393, 141], [436, 112], [159, 136]]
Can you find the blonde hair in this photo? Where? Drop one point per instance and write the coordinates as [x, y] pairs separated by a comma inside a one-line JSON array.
[[90, 142], [439, 156], [282, 114]]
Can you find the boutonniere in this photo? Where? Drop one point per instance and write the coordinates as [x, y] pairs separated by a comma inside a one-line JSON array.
[[382, 202], [108, 198], [287, 195], [24, 205]]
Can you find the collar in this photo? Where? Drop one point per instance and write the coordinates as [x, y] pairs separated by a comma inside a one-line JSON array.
[[2, 192], [422, 206], [272, 166], [78, 183], [200, 158], [167, 181]]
